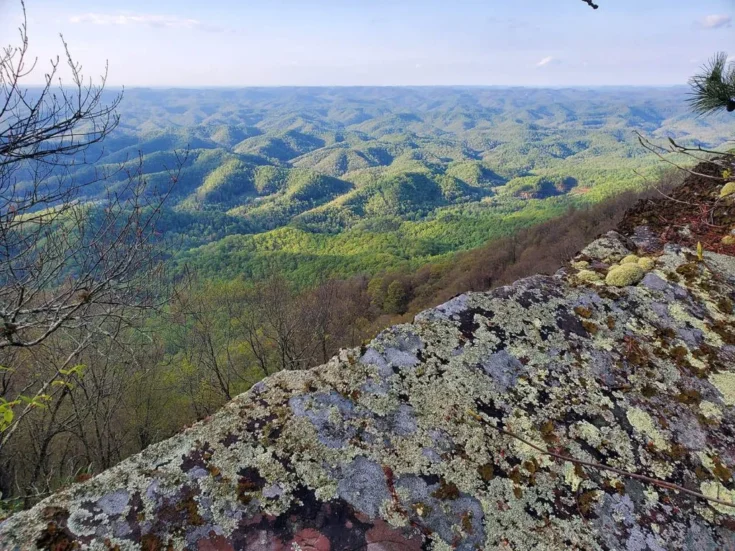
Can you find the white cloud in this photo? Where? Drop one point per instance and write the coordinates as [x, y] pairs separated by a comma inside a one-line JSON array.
[[159, 21], [546, 61], [716, 21]]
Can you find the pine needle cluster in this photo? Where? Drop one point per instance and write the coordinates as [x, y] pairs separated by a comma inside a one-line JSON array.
[[714, 88]]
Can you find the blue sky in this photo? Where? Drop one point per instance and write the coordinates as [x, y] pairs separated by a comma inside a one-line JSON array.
[[381, 42]]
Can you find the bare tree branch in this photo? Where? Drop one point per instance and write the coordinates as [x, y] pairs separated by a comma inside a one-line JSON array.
[[697, 154], [80, 259]]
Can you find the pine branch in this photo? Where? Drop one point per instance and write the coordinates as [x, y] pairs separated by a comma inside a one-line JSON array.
[[714, 88]]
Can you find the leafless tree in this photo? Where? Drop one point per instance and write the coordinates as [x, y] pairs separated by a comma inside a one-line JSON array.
[[64, 263], [283, 323], [319, 315], [206, 334], [78, 255]]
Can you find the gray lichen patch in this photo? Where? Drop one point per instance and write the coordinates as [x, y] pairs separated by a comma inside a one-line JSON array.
[[413, 440], [613, 247]]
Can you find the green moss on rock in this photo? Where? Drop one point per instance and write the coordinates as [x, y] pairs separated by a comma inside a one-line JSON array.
[[588, 276], [630, 259], [624, 275], [647, 264]]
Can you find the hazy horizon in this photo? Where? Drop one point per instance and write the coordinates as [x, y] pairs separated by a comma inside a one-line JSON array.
[[683, 86], [323, 43]]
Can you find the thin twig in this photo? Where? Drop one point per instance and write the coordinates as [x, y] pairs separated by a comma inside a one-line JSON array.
[[600, 466], [659, 191]]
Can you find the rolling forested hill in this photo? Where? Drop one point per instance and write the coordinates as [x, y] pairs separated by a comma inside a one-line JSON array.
[[338, 181]]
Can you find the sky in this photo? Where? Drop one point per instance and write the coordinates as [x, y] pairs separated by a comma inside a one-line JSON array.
[[187, 43]]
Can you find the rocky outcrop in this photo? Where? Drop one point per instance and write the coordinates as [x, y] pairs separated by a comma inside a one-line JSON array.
[[560, 412]]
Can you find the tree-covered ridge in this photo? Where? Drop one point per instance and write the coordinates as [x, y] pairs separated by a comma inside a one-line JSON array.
[[343, 180]]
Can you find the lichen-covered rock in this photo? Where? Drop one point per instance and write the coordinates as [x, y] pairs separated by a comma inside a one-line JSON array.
[[414, 442], [645, 239], [624, 275], [610, 248]]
